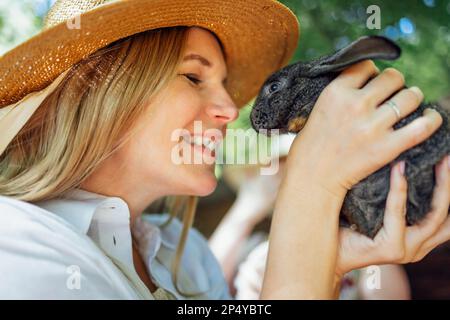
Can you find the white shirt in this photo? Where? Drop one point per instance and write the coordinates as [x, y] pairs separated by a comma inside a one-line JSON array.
[[79, 246]]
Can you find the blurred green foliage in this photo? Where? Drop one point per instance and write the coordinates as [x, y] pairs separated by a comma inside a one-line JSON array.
[[19, 20]]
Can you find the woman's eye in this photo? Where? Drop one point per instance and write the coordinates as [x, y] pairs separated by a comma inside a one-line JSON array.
[[192, 78]]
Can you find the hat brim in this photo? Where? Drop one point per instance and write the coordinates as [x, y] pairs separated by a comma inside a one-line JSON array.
[[258, 36]]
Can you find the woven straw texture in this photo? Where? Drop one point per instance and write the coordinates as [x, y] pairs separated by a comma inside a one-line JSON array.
[[259, 37]]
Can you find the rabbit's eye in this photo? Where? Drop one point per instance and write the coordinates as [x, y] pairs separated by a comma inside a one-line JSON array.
[[274, 87]]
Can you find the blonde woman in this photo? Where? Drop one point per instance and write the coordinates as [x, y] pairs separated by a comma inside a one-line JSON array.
[[77, 173]]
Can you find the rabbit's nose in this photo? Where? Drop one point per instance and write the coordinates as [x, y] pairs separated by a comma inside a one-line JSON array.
[[263, 120]]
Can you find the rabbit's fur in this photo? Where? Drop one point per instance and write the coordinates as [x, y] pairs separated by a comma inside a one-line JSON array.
[[287, 98]]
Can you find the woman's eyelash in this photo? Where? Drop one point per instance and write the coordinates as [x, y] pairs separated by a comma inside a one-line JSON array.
[[193, 78]]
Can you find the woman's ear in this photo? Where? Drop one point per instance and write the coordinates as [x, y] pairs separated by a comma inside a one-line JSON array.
[[370, 47]]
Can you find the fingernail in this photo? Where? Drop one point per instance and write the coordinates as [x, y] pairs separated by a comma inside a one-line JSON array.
[[401, 167], [417, 91], [428, 110]]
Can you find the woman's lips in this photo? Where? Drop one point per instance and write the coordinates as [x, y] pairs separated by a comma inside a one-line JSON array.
[[203, 150], [211, 142]]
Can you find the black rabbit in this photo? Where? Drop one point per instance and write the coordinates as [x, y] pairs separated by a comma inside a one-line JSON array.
[[287, 98]]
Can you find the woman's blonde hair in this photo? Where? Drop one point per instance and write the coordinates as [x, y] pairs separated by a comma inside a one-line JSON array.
[[91, 114]]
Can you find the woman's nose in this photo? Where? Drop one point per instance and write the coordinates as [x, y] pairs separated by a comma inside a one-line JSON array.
[[223, 111]]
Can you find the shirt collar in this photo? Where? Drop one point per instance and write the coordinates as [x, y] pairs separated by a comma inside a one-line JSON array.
[[105, 219], [78, 206]]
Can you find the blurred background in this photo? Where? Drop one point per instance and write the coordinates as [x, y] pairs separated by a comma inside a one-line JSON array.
[[420, 27]]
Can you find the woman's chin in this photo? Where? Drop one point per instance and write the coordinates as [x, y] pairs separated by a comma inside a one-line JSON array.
[[204, 183]]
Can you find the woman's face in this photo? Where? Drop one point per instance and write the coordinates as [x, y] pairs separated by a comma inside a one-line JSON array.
[[149, 162]]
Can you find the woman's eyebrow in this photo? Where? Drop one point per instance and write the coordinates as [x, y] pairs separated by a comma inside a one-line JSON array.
[[203, 61]]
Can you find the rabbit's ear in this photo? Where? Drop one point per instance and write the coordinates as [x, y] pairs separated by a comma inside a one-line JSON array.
[[371, 47]]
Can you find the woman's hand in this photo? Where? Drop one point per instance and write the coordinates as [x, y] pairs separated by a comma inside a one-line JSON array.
[[349, 134], [396, 243]]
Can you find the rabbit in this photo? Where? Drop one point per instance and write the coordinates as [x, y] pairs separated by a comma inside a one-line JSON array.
[[287, 98]]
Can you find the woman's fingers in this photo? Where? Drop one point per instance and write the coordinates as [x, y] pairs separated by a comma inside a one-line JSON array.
[[357, 75], [439, 203], [443, 235], [406, 101], [434, 229], [394, 222], [384, 85], [413, 133]]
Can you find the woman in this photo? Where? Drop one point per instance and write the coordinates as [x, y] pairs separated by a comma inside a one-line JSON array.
[[77, 177]]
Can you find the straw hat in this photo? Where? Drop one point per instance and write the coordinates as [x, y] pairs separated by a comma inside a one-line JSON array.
[[259, 36]]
